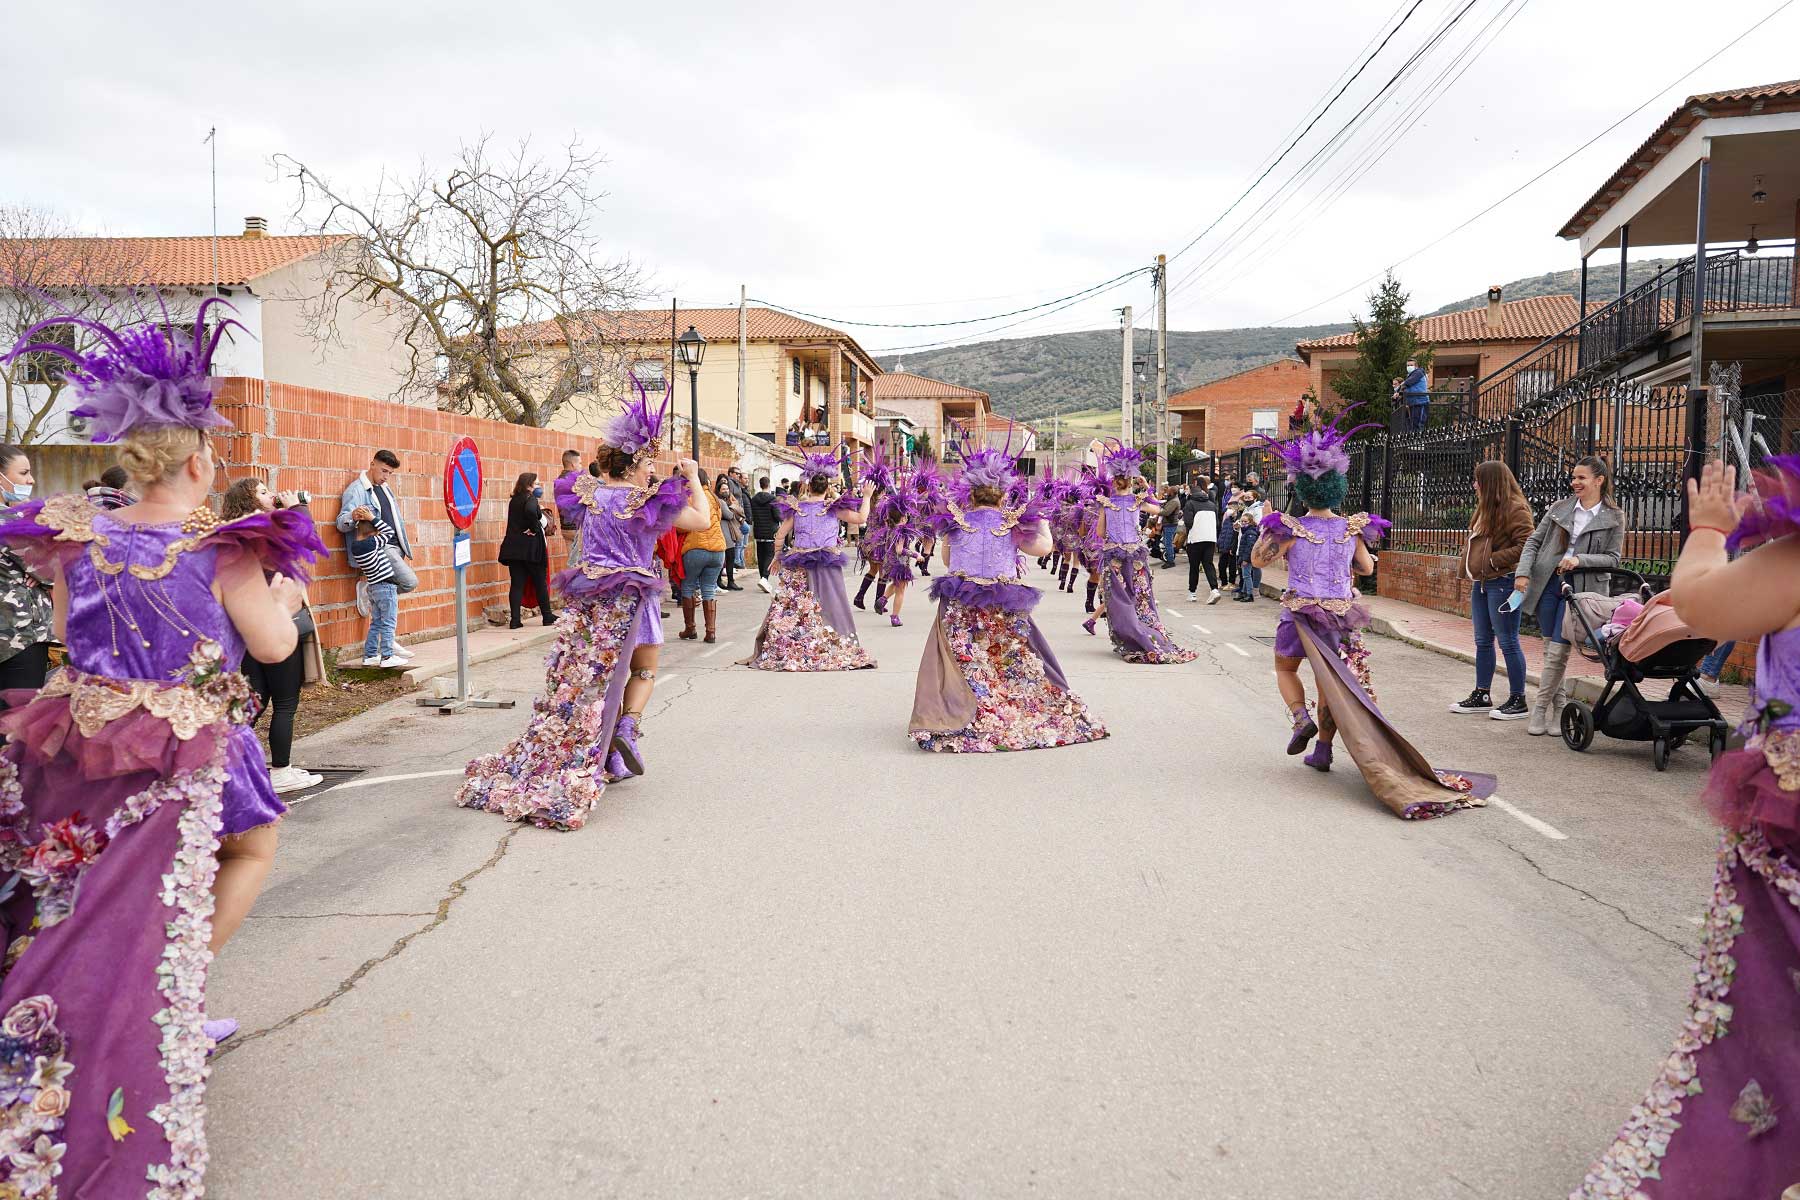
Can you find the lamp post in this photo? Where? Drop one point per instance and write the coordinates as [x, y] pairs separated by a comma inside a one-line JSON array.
[[693, 352]]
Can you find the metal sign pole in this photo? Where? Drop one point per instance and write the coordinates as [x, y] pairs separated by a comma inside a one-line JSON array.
[[460, 554], [462, 503]]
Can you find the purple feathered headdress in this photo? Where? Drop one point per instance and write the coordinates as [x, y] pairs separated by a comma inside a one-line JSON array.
[[1316, 452], [1117, 460], [827, 466], [877, 470], [1774, 508], [988, 467], [637, 429], [140, 376]]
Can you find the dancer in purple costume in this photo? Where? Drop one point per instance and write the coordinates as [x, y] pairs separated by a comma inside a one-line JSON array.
[[889, 544], [137, 819], [808, 626], [1722, 1118], [585, 728], [988, 680], [1321, 623], [1128, 594]]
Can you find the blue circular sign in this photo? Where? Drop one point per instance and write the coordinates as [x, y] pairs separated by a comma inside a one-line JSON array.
[[462, 483]]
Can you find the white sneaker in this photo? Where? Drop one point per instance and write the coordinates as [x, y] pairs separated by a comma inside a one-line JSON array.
[[402, 652], [1193, 598], [393, 661], [1214, 598], [1708, 686], [362, 597], [374, 661], [765, 585], [293, 779]]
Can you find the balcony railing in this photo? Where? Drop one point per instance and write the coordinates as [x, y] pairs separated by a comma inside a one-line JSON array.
[[1606, 337]]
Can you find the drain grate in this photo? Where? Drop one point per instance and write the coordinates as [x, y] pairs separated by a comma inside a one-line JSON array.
[[333, 777]]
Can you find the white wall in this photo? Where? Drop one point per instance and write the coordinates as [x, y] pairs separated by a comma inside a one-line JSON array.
[[364, 356]]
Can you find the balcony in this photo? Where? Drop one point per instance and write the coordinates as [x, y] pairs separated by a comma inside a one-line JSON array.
[[857, 426]]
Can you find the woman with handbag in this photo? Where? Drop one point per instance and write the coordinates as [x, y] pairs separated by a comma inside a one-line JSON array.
[[277, 685], [522, 550]]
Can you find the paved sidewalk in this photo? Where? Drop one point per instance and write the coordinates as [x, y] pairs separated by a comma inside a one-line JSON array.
[[438, 656], [1454, 636]]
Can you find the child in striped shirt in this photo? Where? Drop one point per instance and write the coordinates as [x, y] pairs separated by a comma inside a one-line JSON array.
[[369, 541]]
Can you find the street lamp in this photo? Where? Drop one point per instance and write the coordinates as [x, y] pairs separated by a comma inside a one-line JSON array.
[[693, 352]]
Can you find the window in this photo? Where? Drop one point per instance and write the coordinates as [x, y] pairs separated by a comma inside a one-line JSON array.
[[1532, 383], [799, 387], [44, 367], [648, 372], [1263, 420]]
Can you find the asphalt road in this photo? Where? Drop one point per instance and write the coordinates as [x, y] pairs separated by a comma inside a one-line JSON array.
[[803, 958]]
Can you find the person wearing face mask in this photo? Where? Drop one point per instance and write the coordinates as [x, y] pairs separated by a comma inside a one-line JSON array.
[[25, 604], [522, 551]]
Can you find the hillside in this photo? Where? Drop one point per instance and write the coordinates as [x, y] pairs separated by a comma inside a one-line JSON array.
[[1031, 377]]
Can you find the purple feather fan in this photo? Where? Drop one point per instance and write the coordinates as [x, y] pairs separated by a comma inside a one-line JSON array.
[[637, 429], [1774, 511], [1317, 452], [1119, 461], [826, 466], [139, 376], [877, 470]]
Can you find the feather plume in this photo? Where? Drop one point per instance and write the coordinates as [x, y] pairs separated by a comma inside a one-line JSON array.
[[1317, 452], [637, 428]]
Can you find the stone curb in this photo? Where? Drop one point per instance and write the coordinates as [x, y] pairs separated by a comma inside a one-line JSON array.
[[419, 676]]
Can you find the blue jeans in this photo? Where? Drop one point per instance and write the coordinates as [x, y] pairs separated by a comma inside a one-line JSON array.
[[701, 573], [384, 616], [743, 540], [1712, 664], [1168, 543], [1417, 414], [1249, 577], [1550, 611], [1492, 623]]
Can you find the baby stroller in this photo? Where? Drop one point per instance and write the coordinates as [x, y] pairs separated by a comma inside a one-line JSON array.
[[1623, 711]]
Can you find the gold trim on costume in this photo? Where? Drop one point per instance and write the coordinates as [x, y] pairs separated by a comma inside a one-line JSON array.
[[96, 701], [1336, 608]]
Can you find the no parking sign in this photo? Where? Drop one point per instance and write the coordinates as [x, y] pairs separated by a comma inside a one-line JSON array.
[[462, 483]]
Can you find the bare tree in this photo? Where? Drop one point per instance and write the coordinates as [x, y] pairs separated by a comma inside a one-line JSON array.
[[48, 268], [492, 268]]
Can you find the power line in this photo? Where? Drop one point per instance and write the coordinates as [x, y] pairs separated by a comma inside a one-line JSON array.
[[1082, 294], [1646, 103], [986, 333]]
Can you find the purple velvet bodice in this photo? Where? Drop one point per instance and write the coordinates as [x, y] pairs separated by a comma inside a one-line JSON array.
[[1778, 675], [609, 539], [169, 612], [1122, 526], [1321, 570], [815, 526], [981, 552]]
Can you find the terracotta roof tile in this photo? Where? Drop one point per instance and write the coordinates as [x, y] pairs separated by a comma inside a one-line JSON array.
[[651, 325], [904, 385], [1530, 320], [167, 261], [1733, 103]]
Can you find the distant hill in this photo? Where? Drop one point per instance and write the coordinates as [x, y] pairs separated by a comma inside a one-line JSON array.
[[1032, 377]]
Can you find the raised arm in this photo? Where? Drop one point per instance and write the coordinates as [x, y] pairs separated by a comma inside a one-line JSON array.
[[698, 514], [1722, 599]]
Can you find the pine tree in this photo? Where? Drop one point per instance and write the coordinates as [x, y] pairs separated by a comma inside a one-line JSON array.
[[1383, 344]]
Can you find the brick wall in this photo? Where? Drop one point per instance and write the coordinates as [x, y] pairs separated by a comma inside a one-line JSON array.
[[1227, 403], [298, 437]]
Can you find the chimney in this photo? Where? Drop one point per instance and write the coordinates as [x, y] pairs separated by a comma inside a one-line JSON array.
[[255, 227], [1493, 309]]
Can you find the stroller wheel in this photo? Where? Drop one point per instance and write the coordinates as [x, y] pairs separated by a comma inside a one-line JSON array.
[[1577, 725], [1715, 742], [1659, 753]]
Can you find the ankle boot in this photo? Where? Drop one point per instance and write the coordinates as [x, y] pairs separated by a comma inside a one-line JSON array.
[[687, 618], [1305, 729], [625, 744], [1320, 758], [862, 591], [711, 609], [1546, 706]]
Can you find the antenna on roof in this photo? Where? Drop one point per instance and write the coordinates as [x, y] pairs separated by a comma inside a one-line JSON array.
[[212, 140]]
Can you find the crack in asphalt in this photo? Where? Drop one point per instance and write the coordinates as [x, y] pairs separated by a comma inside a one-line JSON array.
[[1587, 895], [442, 914]]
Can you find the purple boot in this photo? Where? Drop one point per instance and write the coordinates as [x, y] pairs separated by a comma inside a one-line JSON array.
[[1305, 729], [1320, 758], [895, 620], [1089, 625], [625, 746], [881, 597]]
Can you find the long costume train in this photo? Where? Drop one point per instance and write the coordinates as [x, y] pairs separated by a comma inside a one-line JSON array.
[[809, 626]]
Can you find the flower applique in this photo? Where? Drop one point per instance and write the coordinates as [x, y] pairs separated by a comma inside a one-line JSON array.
[[1754, 1108]]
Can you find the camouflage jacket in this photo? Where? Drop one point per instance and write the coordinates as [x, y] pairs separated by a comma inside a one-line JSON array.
[[24, 606]]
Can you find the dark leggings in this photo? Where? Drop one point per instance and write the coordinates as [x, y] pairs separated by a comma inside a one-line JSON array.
[[538, 576], [277, 685], [1200, 555], [1228, 567], [730, 576], [765, 556]]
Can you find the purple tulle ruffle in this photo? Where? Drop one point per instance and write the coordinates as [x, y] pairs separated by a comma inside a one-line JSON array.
[[660, 510], [1007, 595], [849, 502], [575, 584], [1274, 526], [284, 540], [814, 559], [1357, 617], [36, 544], [44, 727], [1743, 793], [1135, 552]]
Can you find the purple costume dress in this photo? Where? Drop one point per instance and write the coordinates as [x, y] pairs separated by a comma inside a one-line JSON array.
[[1322, 621], [808, 626], [553, 773], [1132, 619], [116, 783], [1722, 1118], [988, 680]]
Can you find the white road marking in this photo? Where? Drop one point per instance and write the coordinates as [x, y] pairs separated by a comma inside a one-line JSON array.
[[1204, 629], [1543, 827], [664, 677], [367, 782], [716, 649], [1240, 650]]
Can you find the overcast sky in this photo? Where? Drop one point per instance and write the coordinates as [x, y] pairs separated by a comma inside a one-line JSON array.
[[899, 162]]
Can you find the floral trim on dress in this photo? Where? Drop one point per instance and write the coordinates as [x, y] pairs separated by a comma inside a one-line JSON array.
[[553, 774], [55, 864], [206, 695], [1138, 585], [796, 637], [1644, 1139], [1017, 707], [34, 1099]]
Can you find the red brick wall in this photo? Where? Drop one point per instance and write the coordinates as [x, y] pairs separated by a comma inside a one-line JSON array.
[[304, 438], [1229, 402]]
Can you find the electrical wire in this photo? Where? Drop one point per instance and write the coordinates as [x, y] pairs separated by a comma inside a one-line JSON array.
[[1452, 232], [1082, 294]]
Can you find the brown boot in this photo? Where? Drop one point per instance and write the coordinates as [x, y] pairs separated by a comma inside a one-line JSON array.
[[687, 616], [711, 608]]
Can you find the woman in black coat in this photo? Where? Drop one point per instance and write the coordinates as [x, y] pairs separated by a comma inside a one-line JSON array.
[[522, 550]]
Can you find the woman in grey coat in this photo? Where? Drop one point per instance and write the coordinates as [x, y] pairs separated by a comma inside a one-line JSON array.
[[1578, 541]]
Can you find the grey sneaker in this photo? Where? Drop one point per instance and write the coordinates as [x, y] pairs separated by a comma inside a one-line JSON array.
[[1515, 709], [1709, 686]]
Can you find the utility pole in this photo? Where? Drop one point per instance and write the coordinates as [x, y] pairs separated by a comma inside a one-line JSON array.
[[1125, 381], [743, 423], [1162, 370], [212, 139]]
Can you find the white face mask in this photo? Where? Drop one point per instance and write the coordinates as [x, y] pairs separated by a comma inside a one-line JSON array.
[[16, 491]]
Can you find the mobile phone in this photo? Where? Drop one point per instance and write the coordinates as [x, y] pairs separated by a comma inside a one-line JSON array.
[[1512, 602]]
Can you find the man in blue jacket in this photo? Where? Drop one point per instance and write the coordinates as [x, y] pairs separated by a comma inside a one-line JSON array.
[[1414, 392], [370, 498]]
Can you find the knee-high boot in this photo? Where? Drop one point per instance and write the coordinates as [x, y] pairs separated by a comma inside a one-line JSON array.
[[1062, 575], [863, 590], [687, 617], [1090, 596], [1547, 705], [881, 595], [711, 609]]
